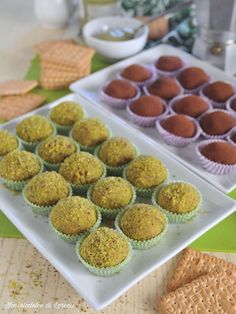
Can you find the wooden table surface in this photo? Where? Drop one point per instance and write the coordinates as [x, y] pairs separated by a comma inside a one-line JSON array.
[[26, 277]]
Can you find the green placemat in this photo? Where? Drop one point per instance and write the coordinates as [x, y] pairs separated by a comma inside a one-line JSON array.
[[220, 238]]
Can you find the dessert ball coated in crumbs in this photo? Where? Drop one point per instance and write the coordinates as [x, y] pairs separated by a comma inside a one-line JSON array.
[[73, 215], [117, 151], [104, 247], [146, 172], [142, 222], [178, 198], [81, 168], [90, 132], [46, 188], [121, 89], [34, 129], [136, 72], [112, 193], [19, 166], [67, 113], [8, 142], [56, 148]]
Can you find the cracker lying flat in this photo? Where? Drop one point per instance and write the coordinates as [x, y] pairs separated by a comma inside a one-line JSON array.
[[57, 66], [14, 106], [193, 264], [17, 87], [211, 293], [45, 46]]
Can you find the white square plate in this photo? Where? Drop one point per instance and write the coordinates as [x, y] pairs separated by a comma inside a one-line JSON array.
[[89, 86], [97, 291]]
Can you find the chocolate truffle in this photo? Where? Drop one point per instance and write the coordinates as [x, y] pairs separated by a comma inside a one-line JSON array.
[[121, 89], [148, 106], [179, 125], [169, 63], [164, 87], [192, 77], [218, 91], [191, 105], [136, 72], [220, 152], [233, 104], [217, 123]]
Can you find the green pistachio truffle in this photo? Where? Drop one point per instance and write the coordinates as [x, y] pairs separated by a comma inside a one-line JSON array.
[[81, 168], [56, 148], [117, 151], [67, 113], [19, 166], [146, 172], [112, 193], [90, 132], [178, 198], [46, 189], [73, 215], [8, 142], [34, 129], [142, 222], [104, 247]]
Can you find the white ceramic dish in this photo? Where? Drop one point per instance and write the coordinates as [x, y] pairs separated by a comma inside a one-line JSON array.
[[97, 291], [89, 86], [114, 50]]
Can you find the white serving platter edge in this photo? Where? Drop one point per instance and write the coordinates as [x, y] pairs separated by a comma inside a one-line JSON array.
[[97, 291]]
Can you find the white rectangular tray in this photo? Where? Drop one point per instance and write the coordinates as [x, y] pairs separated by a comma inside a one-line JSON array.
[[97, 291], [88, 87]]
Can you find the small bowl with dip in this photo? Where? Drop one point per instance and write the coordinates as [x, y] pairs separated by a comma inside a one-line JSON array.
[[116, 37]]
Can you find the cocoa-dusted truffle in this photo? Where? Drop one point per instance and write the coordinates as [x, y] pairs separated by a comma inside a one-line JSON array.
[[217, 123], [191, 105], [169, 63], [179, 125], [221, 152], [121, 89], [165, 87], [148, 106], [192, 77], [218, 91], [233, 104], [136, 72]]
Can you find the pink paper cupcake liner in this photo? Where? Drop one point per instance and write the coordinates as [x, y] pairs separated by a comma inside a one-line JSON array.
[[212, 166], [174, 100], [215, 104], [196, 90], [174, 140], [147, 122], [213, 137], [168, 73], [146, 92], [152, 78], [229, 137], [229, 108], [118, 103]]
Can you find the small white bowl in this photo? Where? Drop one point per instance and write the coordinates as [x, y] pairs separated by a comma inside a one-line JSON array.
[[115, 50]]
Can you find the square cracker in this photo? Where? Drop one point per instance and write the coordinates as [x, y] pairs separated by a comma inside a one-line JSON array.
[[211, 293], [69, 54], [14, 106], [45, 46], [17, 87], [193, 264]]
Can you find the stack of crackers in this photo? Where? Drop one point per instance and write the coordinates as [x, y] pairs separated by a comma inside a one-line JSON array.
[[16, 99], [201, 284], [63, 62]]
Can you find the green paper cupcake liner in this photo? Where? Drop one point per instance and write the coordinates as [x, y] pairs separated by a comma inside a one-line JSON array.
[[30, 147], [110, 213], [142, 192], [90, 149], [19, 185], [49, 166], [41, 210], [74, 238], [114, 171], [138, 244], [174, 217], [104, 271], [79, 189]]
